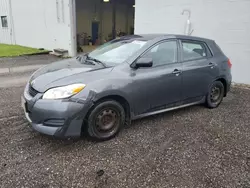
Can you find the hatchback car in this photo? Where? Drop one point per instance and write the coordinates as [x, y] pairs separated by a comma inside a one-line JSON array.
[[125, 79]]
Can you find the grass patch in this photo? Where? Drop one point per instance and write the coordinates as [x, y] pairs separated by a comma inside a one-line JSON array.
[[7, 50]]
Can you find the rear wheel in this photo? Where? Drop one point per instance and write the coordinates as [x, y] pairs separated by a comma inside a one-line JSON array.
[[105, 120], [215, 94]]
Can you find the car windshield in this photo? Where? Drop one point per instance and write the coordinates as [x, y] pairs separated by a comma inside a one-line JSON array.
[[117, 51]]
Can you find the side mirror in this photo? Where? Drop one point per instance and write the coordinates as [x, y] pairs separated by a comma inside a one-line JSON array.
[[144, 62]]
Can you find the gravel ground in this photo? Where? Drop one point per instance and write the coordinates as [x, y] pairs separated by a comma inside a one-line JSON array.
[[192, 147]]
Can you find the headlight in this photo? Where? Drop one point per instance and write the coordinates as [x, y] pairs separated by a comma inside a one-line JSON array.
[[63, 92]]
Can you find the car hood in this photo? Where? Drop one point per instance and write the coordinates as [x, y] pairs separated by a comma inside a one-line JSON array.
[[65, 72]]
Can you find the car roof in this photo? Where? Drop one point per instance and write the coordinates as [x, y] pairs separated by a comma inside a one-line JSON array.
[[148, 37]]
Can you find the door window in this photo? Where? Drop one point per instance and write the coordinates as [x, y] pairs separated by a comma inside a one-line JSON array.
[[163, 53], [193, 50]]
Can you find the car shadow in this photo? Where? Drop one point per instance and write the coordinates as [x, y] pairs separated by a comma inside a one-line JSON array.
[[168, 114], [57, 143]]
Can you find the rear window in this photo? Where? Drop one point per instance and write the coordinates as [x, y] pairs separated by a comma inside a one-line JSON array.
[[193, 50]]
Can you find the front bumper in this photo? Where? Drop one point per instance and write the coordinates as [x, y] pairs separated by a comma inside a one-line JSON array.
[[59, 118]]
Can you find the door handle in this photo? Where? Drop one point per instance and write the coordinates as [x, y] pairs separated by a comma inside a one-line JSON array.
[[212, 65], [176, 72]]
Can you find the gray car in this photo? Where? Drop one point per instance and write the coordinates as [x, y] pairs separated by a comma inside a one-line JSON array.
[[123, 80]]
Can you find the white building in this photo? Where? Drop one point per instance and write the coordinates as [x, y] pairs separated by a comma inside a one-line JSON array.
[[54, 24]]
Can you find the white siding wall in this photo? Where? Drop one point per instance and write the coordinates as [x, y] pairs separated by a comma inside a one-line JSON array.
[[6, 34], [225, 21], [36, 23], [85, 13]]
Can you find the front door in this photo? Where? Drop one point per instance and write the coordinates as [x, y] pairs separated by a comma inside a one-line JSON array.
[[198, 71], [160, 85]]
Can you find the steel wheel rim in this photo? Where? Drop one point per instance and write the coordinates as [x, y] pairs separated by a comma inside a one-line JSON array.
[[215, 94], [107, 121]]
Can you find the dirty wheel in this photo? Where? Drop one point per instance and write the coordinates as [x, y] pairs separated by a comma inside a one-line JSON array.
[[105, 120], [215, 95]]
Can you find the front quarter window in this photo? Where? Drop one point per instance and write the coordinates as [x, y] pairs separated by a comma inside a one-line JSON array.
[[118, 51]]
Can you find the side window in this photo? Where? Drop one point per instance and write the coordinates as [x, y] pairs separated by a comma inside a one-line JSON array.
[[163, 53], [4, 21], [193, 50]]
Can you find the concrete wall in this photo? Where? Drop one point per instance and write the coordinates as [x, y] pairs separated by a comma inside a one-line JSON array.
[[42, 23], [48, 23], [90, 10], [6, 34], [37, 23], [225, 21]]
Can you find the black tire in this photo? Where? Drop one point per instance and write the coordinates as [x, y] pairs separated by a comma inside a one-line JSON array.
[[215, 94], [105, 120]]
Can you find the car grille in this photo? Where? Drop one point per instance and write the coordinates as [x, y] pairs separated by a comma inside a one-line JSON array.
[[32, 91]]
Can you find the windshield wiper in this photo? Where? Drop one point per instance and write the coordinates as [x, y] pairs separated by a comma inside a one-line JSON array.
[[82, 60], [79, 58], [95, 60]]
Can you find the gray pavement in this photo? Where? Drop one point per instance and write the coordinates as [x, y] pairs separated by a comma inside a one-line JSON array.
[[27, 60], [16, 71], [24, 64], [192, 147], [14, 80]]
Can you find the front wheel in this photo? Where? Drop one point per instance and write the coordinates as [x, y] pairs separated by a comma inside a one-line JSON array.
[[105, 120], [215, 94]]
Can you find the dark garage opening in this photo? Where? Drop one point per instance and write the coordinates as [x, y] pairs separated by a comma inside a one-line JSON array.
[[99, 21]]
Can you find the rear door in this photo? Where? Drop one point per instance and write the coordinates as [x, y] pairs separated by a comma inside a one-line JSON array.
[[198, 70]]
